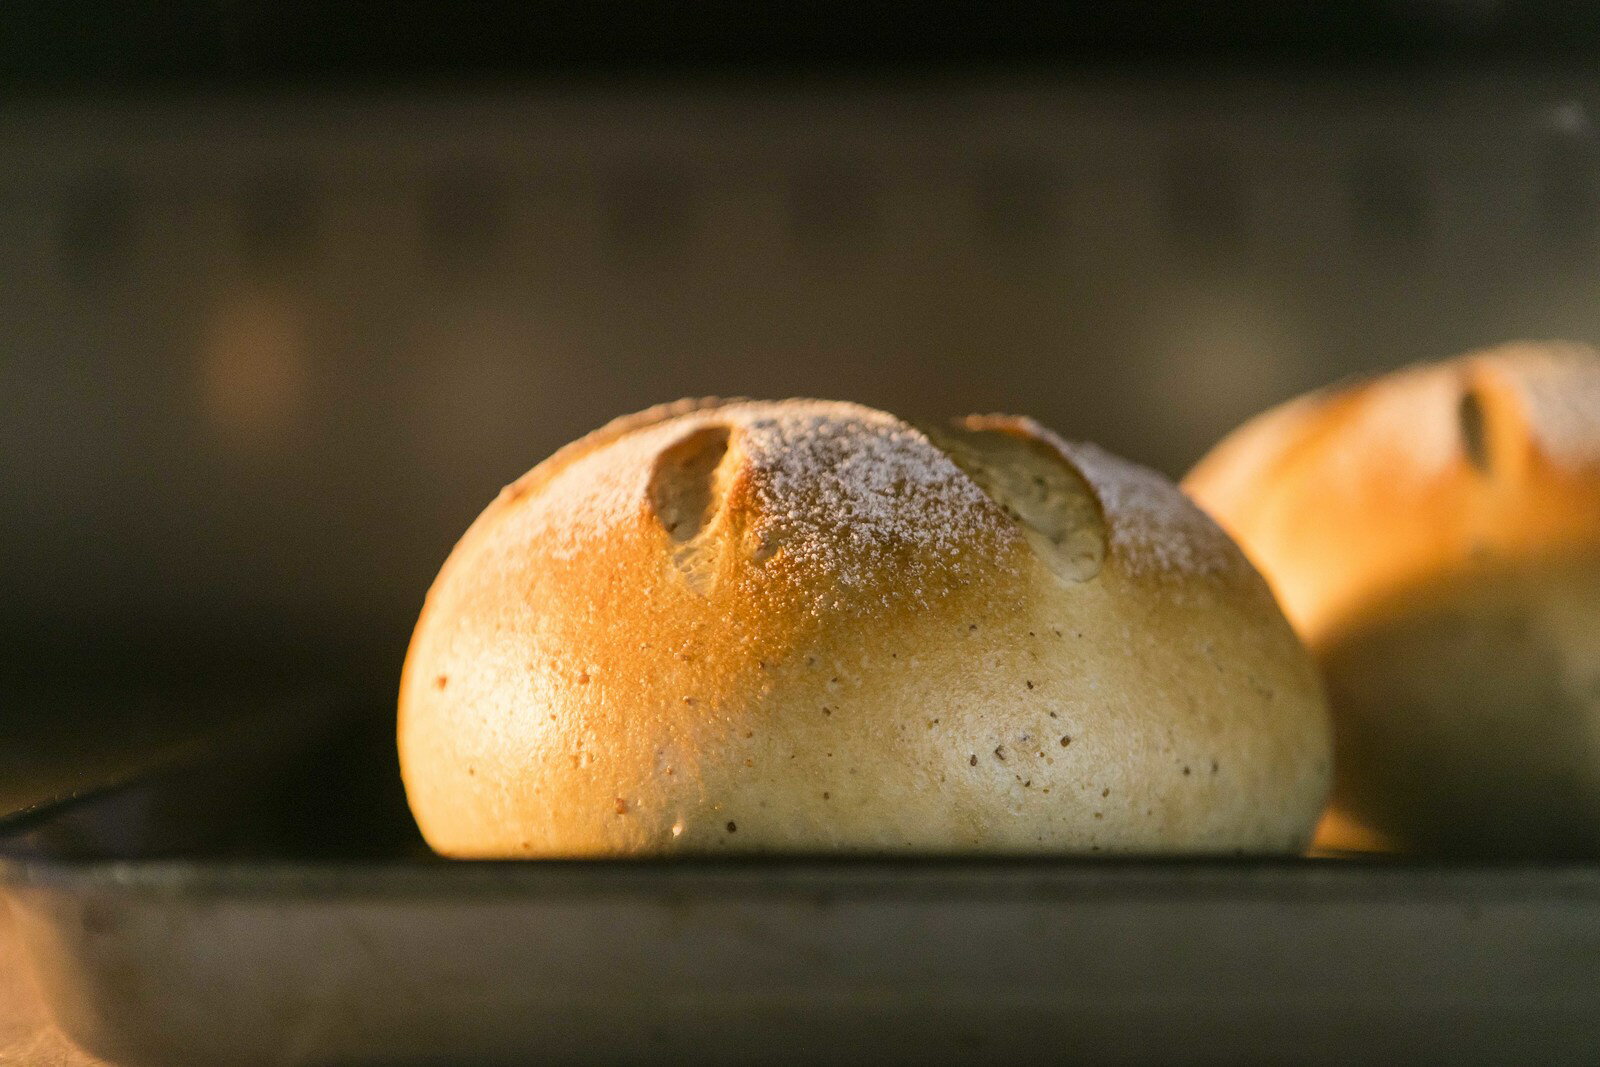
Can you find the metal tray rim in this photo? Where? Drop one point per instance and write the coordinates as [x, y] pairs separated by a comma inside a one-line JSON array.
[[1066, 877]]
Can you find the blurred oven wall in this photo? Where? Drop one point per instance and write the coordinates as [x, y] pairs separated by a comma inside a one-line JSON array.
[[264, 356]]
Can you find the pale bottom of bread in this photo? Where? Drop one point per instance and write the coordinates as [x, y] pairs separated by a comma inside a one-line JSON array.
[[1467, 716]]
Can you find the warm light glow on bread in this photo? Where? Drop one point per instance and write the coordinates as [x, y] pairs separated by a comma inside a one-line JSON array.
[[1435, 536], [807, 626]]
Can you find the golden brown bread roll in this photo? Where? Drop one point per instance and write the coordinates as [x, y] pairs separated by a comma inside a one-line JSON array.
[[804, 626], [1434, 535]]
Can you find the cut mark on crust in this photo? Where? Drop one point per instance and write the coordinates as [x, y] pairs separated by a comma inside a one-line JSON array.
[[1474, 430], [682, 483], [1037, 487], [686, 493]]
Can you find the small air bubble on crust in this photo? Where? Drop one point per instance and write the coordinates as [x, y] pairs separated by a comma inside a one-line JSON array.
[[1065, 741], [441, 681], [733, 827], [972, 760], [622, 806]]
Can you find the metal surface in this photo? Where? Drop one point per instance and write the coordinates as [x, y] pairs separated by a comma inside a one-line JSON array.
[[804, 962], [274, 949]]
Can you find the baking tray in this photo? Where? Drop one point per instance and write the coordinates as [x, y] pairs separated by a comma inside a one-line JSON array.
[[267, 899]]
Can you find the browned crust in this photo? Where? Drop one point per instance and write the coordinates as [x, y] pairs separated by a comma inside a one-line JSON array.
[[1334, 507]]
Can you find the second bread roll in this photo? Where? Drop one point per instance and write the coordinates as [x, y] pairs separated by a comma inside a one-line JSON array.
[[1435, 536]]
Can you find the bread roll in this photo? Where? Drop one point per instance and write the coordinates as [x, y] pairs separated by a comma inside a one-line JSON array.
[[1434, 535], [729, 626]]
